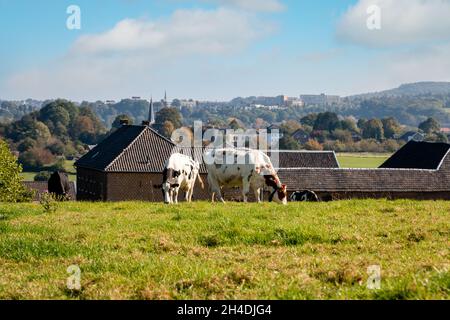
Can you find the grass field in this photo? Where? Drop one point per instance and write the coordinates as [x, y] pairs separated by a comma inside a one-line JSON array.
[[355, 160], [203, 251], [29, 176]]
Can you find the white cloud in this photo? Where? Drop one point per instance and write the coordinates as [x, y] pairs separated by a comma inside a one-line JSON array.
[[138, 55], [431, 63], [402, 22], [187, 31], [252, 5]]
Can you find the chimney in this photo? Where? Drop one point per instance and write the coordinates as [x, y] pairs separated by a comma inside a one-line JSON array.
[[146, 123], [124, 122]]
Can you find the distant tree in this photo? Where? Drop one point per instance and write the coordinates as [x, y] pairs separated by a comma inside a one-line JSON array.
[[11, 187], [437, 137], [349, 124], [309, 120], [290, 126], [167, 129], [361, 123], [26, 144], [344, 136], [36, 158], [373, 129], [289, 143], [327, 121], [430, 126], [172, 115], [56, 147], [116, 123], [313, 145], [391, 127], [56, 117]]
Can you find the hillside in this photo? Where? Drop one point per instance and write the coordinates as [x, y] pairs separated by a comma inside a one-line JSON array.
[[203, 251], [410, 89], [410, 104]]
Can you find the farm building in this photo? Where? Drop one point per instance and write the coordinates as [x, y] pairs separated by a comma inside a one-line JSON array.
[[128, 163], [419, 170]]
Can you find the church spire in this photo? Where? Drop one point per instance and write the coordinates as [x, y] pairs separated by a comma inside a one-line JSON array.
[[151, 113]]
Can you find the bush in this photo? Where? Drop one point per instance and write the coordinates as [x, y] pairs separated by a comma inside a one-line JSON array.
[[48, 202], [11, 187], [42, 176]]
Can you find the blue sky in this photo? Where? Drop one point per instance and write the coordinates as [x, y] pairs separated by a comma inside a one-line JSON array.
[[218, 49]]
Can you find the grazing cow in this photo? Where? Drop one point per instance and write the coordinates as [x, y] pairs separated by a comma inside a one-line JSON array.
[[59, 185], [304, 196], [180, 173], [250, 169]]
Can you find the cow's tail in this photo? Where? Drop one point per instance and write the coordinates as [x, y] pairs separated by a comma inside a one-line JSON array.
[[202, 184]]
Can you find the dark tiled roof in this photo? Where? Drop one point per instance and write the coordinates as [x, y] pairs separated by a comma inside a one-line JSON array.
[[418, 155], [147, 153], [306, 159], [366, 180], [109, 149], [142, 149]]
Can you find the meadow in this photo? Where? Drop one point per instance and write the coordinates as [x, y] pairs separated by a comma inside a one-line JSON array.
[[136, 250], [361, 160]]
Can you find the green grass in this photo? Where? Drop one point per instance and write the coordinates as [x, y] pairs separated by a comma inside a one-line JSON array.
[[138, 250], [68, 165], [364, 160]]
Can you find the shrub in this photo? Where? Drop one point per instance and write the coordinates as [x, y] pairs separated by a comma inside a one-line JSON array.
[[48, 202], [42, 176], [11, 187]]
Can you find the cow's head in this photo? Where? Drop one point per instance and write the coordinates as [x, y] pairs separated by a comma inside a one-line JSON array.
[[279, 195], [272, 181], [170, 182]]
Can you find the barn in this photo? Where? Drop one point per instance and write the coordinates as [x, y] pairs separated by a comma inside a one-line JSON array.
[[129, 162], [419, 170]]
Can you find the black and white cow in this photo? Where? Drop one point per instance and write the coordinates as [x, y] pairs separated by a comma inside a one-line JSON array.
[[254, 172], [180, 173], [304, 196]]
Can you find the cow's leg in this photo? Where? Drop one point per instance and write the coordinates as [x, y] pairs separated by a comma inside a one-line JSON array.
[[245, 190], [215, 190], [175, 195], [191, 191], [258, 195]]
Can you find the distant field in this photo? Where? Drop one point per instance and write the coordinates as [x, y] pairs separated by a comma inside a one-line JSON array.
[[364, 160], [29, 176], [201, 251]]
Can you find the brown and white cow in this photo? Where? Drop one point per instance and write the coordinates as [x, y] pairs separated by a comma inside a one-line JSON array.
[[180, 174], [244, 168]]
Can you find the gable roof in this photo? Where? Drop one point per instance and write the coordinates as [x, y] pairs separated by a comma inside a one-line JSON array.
[[124, 151], [418, 155], [306, 159], [142, 149]]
